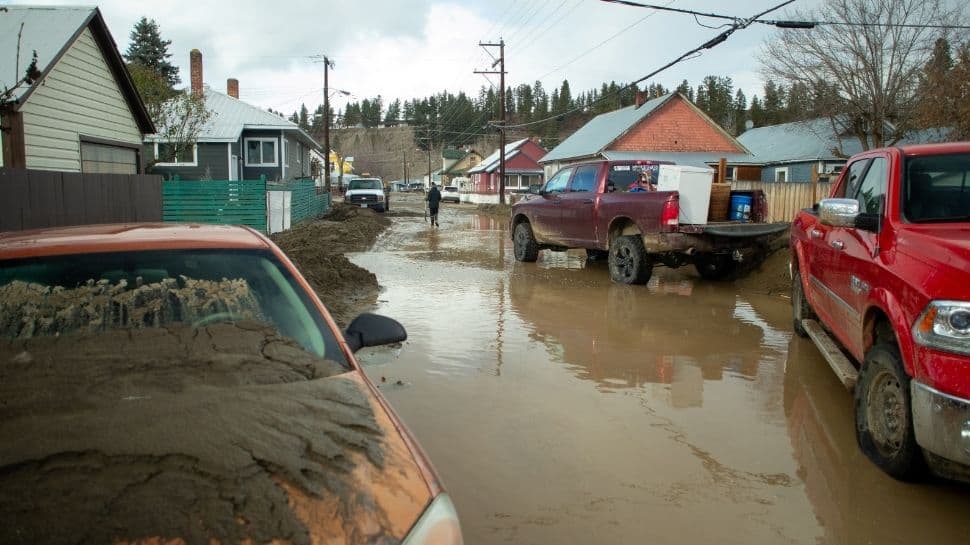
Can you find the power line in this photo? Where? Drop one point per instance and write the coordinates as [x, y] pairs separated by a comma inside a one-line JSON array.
[[783, 23], [713, 42]]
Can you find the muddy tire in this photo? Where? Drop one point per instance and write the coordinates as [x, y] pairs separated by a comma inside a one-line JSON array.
[[629, 263], [526, 248], [597, 255], [714, 266], [800, 309], [883, 414]]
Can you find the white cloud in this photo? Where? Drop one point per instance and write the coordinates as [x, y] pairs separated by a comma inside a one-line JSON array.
[[412, 48]]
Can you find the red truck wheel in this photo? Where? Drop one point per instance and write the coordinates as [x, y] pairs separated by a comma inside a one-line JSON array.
[[526, 248], [883, 415], [628, 261]]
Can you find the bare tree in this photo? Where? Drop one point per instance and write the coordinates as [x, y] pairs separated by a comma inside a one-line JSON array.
[[864, 70]]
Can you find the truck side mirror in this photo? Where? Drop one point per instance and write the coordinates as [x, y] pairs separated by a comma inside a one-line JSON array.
[[838, 212]]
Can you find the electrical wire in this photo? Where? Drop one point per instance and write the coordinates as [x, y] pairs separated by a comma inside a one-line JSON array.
[[713, 42]]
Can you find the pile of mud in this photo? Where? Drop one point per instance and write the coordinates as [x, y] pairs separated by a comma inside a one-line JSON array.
[[771, 277], [317, 248], [498, 210], [175, 433]]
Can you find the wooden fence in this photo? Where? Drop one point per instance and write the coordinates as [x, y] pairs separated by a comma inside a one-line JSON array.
[[39, 198], [785, 199]]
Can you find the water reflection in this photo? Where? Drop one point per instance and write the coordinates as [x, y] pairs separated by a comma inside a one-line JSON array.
[[628, 336], [854, 501]]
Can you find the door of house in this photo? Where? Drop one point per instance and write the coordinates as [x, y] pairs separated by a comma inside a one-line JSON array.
[[234, 167]]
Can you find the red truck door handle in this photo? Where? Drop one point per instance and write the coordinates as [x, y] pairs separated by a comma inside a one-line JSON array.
[[838, 244], [815, 233], [588, 201]]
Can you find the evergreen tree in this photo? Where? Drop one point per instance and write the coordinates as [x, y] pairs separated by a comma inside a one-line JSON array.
[[303, 120], [937, 106], [685, 89], [740, 112], [758, 115], [148, 49], [774, 104]]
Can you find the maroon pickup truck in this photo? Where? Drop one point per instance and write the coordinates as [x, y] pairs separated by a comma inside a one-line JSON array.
[[603, 207]]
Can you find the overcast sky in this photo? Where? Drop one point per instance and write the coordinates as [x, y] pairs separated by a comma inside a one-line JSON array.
[[412, 48]]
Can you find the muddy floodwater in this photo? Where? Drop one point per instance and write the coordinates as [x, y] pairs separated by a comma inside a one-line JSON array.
[[561, 408]]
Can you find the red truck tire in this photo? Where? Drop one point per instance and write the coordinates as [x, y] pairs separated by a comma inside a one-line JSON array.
[[629, 263], [883, 415]]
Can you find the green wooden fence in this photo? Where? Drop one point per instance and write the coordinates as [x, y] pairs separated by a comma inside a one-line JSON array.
[[237, 201]]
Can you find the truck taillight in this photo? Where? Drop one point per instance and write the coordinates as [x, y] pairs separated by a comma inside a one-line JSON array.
[[669, 215]]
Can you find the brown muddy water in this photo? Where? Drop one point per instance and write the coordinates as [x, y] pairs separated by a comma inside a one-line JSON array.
[[561, 408]]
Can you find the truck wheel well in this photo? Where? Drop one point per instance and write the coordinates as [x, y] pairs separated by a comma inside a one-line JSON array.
[[877, 328], [622, 227], [517, 220]]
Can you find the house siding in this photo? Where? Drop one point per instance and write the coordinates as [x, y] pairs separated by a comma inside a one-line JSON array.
[[212, 163], [297, 159], [675, 126], [79, 97], [797, 172]]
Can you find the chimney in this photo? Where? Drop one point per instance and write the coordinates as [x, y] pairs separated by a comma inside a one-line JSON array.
[[195, 68], [640, 99], [232, 87]]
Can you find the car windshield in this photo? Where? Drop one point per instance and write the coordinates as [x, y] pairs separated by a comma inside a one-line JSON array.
[[365, 184], [94, 294], [937, 188]]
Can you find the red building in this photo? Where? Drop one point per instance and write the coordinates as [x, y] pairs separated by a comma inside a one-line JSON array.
[[522, 169]]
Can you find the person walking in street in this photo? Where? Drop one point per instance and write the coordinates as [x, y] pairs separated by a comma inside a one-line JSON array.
[[434, 199]]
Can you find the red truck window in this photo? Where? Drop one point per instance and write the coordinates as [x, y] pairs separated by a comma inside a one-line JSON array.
[[872, 190], [557, 184], [937, 188], [850, 185]]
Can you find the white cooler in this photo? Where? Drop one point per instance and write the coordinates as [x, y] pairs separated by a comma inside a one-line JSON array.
[[694, 186]]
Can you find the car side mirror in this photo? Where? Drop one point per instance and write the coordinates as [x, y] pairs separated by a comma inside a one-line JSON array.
[[838, 212], [373, 330]]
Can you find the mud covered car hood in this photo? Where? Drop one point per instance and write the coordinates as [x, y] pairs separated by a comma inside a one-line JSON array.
[[226, 433]]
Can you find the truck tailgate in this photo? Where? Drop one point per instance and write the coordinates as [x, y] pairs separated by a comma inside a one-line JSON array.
[[737, 229]]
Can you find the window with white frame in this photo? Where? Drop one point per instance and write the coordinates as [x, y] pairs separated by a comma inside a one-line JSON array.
[[261, 152], [781, 174], [169, 154]]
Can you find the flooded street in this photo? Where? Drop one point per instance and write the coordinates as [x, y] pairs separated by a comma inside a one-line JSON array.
[[559, 407]]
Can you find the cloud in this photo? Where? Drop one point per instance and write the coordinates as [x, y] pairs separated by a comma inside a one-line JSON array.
[[412, 48]]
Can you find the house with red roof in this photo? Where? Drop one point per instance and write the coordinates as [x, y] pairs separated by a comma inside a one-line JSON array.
[[522, 169]]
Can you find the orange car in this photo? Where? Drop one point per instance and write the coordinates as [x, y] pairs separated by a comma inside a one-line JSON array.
[[165, 383]]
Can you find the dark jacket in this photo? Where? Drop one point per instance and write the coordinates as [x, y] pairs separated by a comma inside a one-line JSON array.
[[434, 197]]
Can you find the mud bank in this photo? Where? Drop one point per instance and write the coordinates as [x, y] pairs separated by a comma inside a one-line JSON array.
[[175, 433], [317, 248]]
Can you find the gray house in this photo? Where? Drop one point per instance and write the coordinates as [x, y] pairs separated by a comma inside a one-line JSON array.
[[240, 141], [790, 151], [79, 111]]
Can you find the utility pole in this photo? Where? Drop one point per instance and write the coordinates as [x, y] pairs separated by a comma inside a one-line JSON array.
[[430, 181], [327, 65], [500, 61]]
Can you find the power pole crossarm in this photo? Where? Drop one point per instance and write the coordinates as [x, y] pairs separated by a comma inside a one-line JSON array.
[[501, 111]]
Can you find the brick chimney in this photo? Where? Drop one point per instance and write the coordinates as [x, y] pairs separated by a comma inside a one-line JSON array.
[[195, 68], [232, 87], [640, 98]]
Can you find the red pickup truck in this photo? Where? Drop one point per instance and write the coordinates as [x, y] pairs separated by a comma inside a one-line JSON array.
[[881, 283], [603, 207]]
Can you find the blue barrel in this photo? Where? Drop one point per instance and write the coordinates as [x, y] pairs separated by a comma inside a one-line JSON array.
[[740, 207]]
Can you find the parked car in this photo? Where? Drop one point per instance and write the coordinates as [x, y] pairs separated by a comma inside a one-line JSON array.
[[166, 382], [604, 208], [416, 187], [368, 193], [449, 193], [880, 272]]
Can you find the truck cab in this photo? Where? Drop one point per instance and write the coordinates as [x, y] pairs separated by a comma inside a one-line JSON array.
[[881, 283]]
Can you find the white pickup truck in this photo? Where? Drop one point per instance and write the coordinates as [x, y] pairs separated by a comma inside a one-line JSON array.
[[367, 193]]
